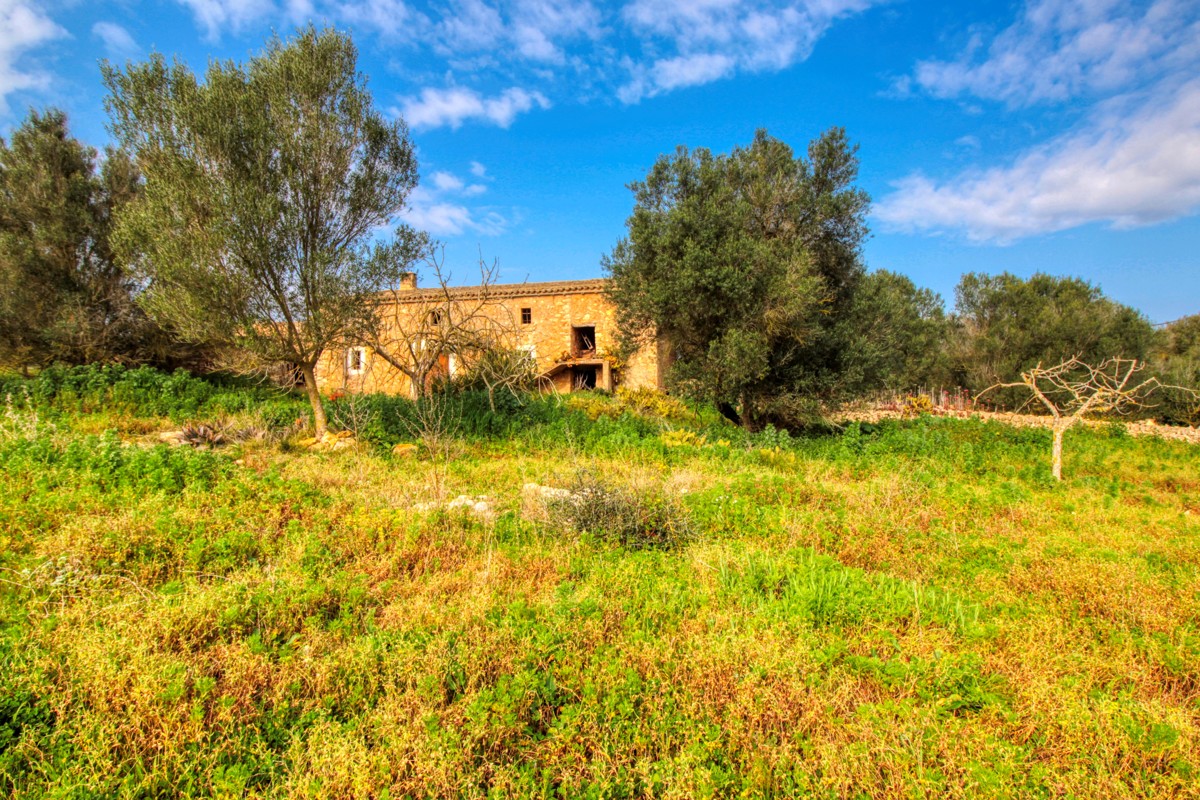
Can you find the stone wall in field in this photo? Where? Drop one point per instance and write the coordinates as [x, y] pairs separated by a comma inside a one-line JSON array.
[[567, 327]]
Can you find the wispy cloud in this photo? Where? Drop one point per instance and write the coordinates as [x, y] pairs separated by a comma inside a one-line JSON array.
[[23, 27], [1129, 165], [438, 208], [453, 106], [1063, 49], [534, 30], [634, 50], [118, 42], [692, 42], [217, 17], [1133, 158], [391, 19]]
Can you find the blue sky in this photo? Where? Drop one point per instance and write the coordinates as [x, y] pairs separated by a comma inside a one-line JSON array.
[[1045, 135]]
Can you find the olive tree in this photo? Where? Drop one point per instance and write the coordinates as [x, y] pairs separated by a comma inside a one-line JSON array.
[[266, 185], [1007, 324], [747, 264]]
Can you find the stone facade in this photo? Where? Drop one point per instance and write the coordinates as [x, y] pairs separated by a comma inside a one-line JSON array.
[[567, 327]]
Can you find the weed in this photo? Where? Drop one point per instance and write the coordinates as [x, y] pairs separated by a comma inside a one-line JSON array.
[[908, 608], [633, 516]]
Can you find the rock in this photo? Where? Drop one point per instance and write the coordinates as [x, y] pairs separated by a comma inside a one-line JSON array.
[[404, 449], [174, 438], [341, 440], [479, 505]]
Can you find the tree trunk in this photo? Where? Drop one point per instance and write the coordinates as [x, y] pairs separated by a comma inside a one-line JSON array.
[[729, 412], [1056, 452], [748, 421], [314, 399]]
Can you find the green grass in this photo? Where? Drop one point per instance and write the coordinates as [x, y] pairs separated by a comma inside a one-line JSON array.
[[903, 610]]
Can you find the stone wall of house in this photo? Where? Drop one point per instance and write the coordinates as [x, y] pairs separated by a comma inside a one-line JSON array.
[[546, 319]]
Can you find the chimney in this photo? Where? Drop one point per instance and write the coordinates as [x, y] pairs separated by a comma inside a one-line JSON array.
[[408, 281]]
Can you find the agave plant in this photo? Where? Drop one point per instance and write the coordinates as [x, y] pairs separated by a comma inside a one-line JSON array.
[[202, 435]]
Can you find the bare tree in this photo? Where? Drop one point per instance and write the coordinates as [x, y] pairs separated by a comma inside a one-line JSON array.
[[419, 331], [1073, 389], [500, 367]]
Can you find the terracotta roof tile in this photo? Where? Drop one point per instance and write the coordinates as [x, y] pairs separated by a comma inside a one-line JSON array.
[[506, 290]]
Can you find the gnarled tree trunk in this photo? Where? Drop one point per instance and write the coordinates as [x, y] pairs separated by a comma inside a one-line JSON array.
[[314, 399]]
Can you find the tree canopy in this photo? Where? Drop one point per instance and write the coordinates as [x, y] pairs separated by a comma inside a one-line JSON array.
[[63, 296], [265, 187], [901, 334], [747, 264], [1009, 325]]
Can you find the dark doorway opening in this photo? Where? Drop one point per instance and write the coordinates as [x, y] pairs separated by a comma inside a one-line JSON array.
[[584, 340], [583, 378]]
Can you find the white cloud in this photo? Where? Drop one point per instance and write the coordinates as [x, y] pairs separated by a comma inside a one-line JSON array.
[[532, 29], [449, 183], [478, 170], [692, 42], [673, 73], [430, 211], [117, 41], [446, 182], [439, 219], [220, 16], [298, 12], [471, 25], [389, 18], [23, 27], [454, 106], [1063, 49], [1132, 164]]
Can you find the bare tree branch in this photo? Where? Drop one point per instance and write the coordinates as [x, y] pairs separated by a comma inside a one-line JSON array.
[[418, 331], [1073, 389]]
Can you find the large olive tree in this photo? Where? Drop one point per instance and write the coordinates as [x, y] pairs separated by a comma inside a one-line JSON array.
[[265, 187], [747, 264]]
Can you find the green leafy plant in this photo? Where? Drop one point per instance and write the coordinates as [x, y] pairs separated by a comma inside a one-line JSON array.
[[636, 517]]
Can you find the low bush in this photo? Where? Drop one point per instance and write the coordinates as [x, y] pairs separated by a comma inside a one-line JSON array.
[[636, 517], [106, 463], [145, 391]]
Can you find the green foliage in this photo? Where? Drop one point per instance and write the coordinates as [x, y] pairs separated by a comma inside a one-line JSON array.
[[105, 463], [63, 295], [636, 517], [1176, 361], [148, 392], [907, 608], [1008, 324], [902, 335], [747, 264], [264, 187]]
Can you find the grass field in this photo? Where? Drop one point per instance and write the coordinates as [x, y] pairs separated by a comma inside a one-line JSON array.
[[913, 609]]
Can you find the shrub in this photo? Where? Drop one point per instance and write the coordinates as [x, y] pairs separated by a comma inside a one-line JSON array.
[[145, 391], [105, 463], [916, 405], [631, 516]]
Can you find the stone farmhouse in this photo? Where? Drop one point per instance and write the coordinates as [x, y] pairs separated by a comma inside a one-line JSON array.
[[568, 328]]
